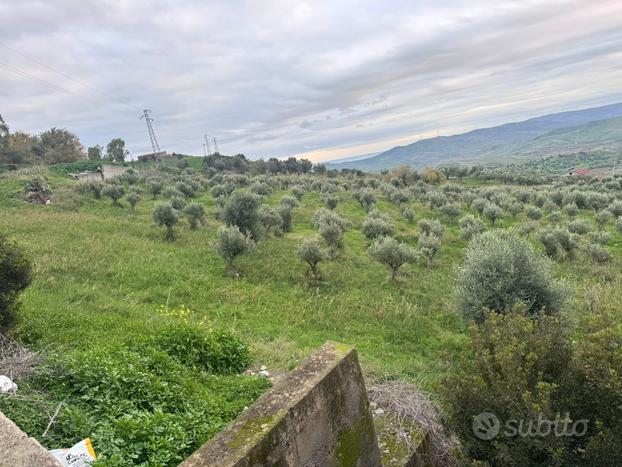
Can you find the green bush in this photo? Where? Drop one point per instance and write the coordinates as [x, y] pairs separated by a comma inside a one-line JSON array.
[[392, 253], [511, 369], [196, 346], [241, 209], [133, 199], [470, 226], [376, 225], [231, 242], [310, 252], [165, 216], [501, 270], [15, 276], [139, 405], [114, 192], [195, 213]]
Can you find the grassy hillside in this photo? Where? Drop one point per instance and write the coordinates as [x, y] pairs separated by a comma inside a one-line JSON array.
[[104, 277]]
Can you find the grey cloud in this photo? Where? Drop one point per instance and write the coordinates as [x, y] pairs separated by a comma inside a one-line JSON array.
[[280, 77]]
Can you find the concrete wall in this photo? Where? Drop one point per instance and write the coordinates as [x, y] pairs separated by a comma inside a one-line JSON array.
[[18, 450], [110, 171], [318, 415]]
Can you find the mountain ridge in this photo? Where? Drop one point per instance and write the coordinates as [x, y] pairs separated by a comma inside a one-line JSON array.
[[505, 140]]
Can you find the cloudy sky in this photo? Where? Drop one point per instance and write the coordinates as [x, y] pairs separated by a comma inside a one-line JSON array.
[[320, 79]]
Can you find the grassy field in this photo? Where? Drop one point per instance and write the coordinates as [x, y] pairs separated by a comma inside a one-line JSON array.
[[102, 273]]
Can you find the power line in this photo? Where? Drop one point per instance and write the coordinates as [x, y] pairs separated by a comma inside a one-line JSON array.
[[69, 77], [36, 78]]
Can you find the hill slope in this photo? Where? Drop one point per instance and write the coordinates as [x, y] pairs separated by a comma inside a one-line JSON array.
[[560, 132]]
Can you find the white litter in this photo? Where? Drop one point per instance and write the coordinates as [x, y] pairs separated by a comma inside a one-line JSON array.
[[80, 455], [6, 385]]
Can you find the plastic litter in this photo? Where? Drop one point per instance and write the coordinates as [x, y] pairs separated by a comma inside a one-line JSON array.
[[6, 385], [80, 455]]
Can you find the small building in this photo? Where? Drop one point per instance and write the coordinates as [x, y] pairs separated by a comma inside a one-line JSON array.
[[581, 172]]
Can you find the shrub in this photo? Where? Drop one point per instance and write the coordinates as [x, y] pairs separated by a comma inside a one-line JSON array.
[[165, 216], [512, 368], [172, 193], [310, 252], [479, 204], [616, 209], [93, 186], [271, 220], [431, 227], [326, 216], [571, 210], [603, 218], [185, 188], [197, 346], [241, 209], [493, 213], [451, 210], [133, 199], [430, 245], [260, 188], [114, 192], [500, 270], [195, 213], [15, 276], [392, 253], [534, 213], [232, 243], [298, 191], [366, 198], [289, 201], [601, 238], [155, 187], [286, 214], [598, 253], [515, 208], [331, 233], [619, 224], [579, 226], [178, 203], [331, 200], [376, 226], [470, 226], [409, 214]]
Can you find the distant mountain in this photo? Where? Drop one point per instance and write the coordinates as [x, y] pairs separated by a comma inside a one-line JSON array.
[[565, 132]]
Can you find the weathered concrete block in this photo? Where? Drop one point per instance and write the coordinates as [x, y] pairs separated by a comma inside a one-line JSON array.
[[18, 450], [318, 415]]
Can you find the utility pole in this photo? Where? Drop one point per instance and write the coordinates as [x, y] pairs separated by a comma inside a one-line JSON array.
[[204, 151], [209, 149], [154, 141], [215, 145]]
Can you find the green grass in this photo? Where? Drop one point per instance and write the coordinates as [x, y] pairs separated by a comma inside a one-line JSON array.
[[101, 273]]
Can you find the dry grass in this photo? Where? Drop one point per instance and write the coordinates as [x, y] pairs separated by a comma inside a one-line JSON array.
[[16, 361], [413, 415]]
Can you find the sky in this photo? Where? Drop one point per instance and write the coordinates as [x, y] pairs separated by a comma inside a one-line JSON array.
[[317, 79]]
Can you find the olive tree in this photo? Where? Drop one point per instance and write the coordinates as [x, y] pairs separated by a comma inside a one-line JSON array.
[[195, 213], [392, 253], [470, 226], [377, 225], [165, 215], [310, 252], [114, 192], [501, 270], [493, 213], [366, 198], [241, 209], [429, 245], [133, 199], [431, 227], [232, 242]]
